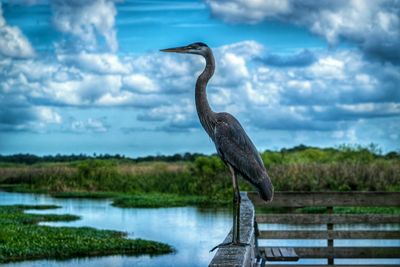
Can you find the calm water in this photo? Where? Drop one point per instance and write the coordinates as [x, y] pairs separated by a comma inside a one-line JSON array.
[[190, 230]]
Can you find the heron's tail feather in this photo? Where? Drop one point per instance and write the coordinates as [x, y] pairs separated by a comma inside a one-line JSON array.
[[266, 189]]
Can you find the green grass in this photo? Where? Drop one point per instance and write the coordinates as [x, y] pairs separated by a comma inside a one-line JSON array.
[[22, 188], [164, 200], [22, 239], [205, 178], [79, 194], [130, 200]]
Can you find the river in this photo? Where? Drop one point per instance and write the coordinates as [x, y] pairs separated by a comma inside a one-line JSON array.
[[191, 231]]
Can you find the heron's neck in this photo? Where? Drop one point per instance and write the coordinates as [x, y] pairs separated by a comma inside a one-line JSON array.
[[206, 115]]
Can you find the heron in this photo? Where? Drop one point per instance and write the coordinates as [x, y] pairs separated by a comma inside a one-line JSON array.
[[232, 143]]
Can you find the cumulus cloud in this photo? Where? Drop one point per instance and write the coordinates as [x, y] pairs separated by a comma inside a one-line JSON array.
[[101, 63], [98, 125], [140, 83], [373, 25], [87, 20], [315, 90], [27, 118], [13, 43], [329, 92], [179, 116]]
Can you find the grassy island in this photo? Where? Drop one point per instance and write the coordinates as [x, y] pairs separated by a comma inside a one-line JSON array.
[[21, 238]]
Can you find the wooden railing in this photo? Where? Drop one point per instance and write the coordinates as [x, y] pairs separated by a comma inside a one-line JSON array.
[[290, 201], [239, 256], [325, 203]]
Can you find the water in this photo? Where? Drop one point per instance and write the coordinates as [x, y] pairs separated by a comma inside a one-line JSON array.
[[190, 230]]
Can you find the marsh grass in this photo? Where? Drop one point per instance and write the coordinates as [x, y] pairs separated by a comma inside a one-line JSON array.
[[298, 169], [164, 200], [22, 239]]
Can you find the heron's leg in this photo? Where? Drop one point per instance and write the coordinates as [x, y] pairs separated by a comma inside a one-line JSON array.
[[236, 215], [236, 208]]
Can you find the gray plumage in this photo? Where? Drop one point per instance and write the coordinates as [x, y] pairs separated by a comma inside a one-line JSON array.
[[231, 141]]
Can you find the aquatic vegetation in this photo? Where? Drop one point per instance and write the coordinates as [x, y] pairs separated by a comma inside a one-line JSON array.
[[164, 200], [21, 238]]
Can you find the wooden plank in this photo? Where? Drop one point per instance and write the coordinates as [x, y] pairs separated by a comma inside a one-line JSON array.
[[276, 252], [327, 218], [334, 199], [289, 254], [348, 252], [279, 254], [302, 234], [268, 253]]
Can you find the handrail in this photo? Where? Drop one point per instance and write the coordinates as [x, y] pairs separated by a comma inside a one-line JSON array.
[[245, 256], [240, 256]]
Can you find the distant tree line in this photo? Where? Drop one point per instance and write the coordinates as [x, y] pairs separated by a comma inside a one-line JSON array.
[[33, 159], [372, 151]]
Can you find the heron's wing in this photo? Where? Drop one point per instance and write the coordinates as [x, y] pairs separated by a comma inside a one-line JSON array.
[[236, 148]]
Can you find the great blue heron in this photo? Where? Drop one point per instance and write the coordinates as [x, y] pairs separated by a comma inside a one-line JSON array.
[[231, 141]]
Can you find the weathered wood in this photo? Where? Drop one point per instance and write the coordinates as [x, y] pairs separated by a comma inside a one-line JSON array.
[[279, 254], [329, 200], [276, 252], [347, 252], [239, 256], [334, 199], [244, 256], [302, 234], [327, 218]]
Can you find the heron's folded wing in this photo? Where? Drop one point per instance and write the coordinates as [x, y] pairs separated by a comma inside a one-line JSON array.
[[236, 148]]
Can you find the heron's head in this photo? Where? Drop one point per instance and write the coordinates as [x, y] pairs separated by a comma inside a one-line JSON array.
[[195, 48]]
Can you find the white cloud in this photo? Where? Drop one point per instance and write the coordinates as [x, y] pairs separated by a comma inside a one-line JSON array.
[[89, 125], [140, 83], [13, 43], [47, 115], [87, 20], [26, 118], [102, 63], [329, 93], [373, 25], [84, 91], [329, 68], [251, 11]]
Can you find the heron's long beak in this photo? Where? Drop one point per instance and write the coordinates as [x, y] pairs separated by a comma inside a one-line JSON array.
[[182, 49]]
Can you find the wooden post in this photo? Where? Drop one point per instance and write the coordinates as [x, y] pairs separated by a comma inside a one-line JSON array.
[[330, 240]]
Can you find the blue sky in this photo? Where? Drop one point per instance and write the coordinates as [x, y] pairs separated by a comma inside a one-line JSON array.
[[87, 76]]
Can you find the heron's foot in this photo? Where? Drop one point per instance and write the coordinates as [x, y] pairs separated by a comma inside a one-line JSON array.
[[230, 244]]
